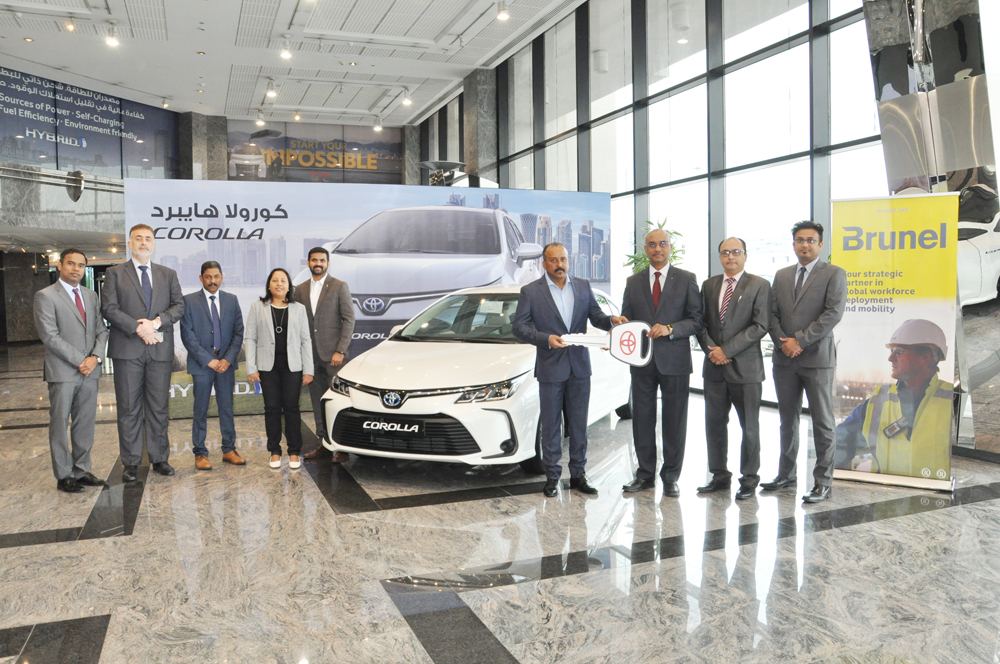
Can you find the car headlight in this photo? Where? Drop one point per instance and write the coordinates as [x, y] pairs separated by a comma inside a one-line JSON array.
[[492, 392], [339, 386]]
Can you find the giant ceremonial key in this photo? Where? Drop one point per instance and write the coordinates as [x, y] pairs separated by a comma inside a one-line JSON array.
[[624, 342]]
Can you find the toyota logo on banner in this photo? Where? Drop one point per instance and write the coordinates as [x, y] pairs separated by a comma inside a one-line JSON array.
[[373, 305], [392, 399]]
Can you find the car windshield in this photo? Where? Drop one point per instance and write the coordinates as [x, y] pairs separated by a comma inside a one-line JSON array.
[[475, 317], [449, 231], [246, 149]]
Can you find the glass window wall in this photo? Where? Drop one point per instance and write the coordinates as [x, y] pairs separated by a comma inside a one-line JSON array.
[[612, 157], [684, 208], [678, 136], [611, 65], [853, 112], [519, 107], [560, 77], [522, 173], [560, 165], [858, 173], [750, 25], [675, 41]]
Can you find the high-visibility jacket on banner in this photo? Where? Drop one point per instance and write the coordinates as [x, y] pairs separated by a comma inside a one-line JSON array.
[[925, 452]]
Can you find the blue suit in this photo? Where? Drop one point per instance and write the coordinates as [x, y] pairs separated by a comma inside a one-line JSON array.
[[197, 335], [563, 374]]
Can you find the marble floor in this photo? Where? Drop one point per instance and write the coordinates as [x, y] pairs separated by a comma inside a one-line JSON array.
[[378, 561]]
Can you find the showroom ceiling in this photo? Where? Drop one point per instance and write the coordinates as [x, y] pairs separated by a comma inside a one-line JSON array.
[[351, 60]]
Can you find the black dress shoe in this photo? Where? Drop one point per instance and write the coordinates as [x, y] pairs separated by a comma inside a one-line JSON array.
[[817, 495], [130, 474], [583, 485], [69, 485], [551, 488], [715, 485], [637, 485], [90, 480], [746, 492], [778, 483], [163, 468], [671, 490]]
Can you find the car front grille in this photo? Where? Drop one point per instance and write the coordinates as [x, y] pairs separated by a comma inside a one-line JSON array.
[[443, 435]]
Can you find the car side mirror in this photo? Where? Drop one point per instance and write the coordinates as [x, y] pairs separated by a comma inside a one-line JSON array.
[[528, 251], [394, 330]]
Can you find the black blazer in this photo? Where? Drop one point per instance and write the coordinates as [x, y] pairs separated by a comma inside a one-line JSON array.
[[748, 318], [680, 306]]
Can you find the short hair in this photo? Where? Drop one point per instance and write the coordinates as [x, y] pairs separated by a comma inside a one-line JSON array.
[[545, 249], [808, 225], [140, 227], [734, 238], [670, 239], [267, 285], [71, 250], [208, 265], [318, 250]]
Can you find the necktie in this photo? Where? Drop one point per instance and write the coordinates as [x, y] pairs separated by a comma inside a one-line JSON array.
[[656, 290], [798, 283], [147, 290], [725, 299], [79, 305], [216, 327]]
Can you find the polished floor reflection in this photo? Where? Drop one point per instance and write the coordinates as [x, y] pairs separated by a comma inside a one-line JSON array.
[[382, 561]]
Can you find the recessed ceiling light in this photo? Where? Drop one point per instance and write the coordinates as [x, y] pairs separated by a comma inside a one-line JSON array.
[[19, 136], [682, 40], [28, 39], [254, 144], [145, 160], [353, 64], [41, 156], [355, 149], [200, 90], [138, 140], [201, 52]]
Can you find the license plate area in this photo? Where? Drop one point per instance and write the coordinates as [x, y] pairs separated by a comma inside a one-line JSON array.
[[380, 427]]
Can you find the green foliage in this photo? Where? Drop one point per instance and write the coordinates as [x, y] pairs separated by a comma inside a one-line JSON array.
[[639, 261]]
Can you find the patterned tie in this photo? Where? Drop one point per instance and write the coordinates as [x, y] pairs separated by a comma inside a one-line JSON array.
[[79, 305], [798, 283], [725, 299], [656, 290], [216, 327], [147, 290]]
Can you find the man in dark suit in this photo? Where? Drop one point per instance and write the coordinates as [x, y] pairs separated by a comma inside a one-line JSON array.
[[547, 308], [142, 301], [737, 316], [212, 333], [69, 323], [808, 302], [666, 298], [331, 323]]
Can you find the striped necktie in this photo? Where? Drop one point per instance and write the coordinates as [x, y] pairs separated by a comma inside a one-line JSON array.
[[725, 299]]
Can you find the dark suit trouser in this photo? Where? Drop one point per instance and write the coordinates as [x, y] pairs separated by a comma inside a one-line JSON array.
[[76, 399], [224, 384], [142, 389], [674, 390], [323, 373], [789, 383], [571, 397], [720, 395]]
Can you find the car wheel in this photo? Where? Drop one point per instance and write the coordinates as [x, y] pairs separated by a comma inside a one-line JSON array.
[[533, 466], [625, 411]]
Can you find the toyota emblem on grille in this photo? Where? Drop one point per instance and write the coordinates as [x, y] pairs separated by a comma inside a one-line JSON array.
[[392, 399], [373, 305]]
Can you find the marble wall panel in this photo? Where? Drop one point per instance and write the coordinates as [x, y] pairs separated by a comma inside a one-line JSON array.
[[25, 203], [20, 283], [411, 154], [480, 91], [217, 147]]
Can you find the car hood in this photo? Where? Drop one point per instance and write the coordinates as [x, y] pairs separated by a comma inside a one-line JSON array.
[[417, 365], [392, 274]]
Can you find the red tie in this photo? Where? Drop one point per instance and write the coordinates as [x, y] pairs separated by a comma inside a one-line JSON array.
[[79, 305], [656, 290]]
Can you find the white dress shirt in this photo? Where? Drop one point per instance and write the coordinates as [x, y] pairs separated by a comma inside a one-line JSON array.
[[725, 278], [663, 276], [218, 301], [138, 272], [70, 289], [798, 268], [315, 289]]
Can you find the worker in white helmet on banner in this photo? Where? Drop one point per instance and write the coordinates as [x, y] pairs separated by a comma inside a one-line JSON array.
[[906, 426]]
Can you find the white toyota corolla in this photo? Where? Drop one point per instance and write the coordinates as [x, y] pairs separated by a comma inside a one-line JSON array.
[[454, 384]]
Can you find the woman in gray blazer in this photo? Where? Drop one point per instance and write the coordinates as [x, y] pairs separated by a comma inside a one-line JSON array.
[[279, 357]]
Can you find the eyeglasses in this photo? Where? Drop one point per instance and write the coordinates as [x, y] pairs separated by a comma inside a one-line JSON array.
[[661, 243], [898, 351], [806, 240], [726, 253]]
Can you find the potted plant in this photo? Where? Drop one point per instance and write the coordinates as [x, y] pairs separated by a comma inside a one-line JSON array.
[[639, 261]]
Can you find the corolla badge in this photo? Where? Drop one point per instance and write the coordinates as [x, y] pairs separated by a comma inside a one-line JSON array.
[[392, 399], [373, 305]]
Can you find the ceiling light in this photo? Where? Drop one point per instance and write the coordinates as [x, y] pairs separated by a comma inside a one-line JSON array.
[[353, 64], [378, 124], [112, 39], [138, 140], [71, 24], [682, 40], [286, 47], [271, 92], [28, 39], [502, 13], [296, 117], [200, 90], [145, 160], [165, 104], [406, 97], [201, 52], [114, 250], [260, 119], [19, 136]]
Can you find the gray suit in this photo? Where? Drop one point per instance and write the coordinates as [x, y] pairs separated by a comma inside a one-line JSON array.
[[747, 321], [68, 342], [810, 318], [142, 373], [258, 339], [332, 327]]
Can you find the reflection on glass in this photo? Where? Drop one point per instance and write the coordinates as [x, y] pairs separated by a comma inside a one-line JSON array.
[[519, 106], [610, 56], [841, 7], [750, 25], [853, 112], [678, 136], [522, 173], [858, 173], [767, 108], [560, 77], [560, 165], [454, 129], [622, 243], [611, 156], [676, 42]]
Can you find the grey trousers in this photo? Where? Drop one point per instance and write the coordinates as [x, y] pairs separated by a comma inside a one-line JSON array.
[[142, 389], [720, 396], [76, 400], [789, 383]]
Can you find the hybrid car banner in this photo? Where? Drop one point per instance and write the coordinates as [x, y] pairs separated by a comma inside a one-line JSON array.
[[896, 343], [398, 248]]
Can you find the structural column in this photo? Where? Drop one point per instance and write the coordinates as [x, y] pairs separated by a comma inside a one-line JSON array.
[[480, 125]]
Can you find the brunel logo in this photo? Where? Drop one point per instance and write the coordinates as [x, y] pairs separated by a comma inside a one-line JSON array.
[[391, 426]]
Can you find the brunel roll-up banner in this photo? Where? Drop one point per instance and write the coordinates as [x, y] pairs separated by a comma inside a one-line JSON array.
[[399, 248], [894, 384]]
